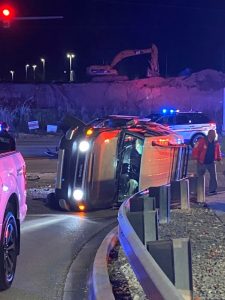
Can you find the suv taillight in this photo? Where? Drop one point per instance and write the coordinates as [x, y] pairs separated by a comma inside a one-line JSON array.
[[212, 124]]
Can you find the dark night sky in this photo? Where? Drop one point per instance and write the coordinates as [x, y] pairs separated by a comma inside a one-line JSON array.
[[188, 33]]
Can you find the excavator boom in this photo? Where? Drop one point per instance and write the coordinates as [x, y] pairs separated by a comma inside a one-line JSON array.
[[106, 70], [109, 72], [127, 53]]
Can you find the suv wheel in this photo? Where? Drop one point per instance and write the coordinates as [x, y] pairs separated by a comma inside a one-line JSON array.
[[52, 202], [195, 138], [8, 249]]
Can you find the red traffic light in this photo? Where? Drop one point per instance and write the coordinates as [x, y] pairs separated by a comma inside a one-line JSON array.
[[7, 15], [7, 12]]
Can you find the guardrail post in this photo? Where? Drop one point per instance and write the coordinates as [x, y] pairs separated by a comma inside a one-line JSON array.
[[142, 203], [162, 195], [201, 188], [162, 252], [183, 267], [180, 193], [197, 187], [143, 218], [174, 258]]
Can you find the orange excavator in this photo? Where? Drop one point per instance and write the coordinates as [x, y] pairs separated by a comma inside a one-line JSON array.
[[109, 72]]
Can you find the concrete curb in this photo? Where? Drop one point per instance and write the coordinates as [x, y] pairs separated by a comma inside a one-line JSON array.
[[101, 286]]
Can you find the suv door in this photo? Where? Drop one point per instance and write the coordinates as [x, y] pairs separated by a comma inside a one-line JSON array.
[[200, 123], [182, 125], [178, 123]]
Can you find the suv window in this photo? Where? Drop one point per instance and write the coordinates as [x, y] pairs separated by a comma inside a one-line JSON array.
[[199, 119], [166, 120], [182, 119]]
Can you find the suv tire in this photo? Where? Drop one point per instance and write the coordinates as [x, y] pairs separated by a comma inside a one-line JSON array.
[[9, 245], [195, 138]]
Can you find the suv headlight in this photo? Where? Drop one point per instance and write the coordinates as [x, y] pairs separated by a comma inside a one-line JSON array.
[[84, 146], [78, 194]]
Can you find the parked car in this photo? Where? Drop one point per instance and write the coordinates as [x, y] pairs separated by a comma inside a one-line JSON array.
[[99, 165], [191, 125], [12, 213]]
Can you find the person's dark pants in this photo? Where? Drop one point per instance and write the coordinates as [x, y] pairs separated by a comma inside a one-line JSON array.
[[201, 169]]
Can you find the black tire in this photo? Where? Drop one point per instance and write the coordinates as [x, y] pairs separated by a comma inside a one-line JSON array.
[[195, 138], [8, 249], [52, 201]]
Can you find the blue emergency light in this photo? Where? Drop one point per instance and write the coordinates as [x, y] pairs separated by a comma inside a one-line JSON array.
[[171, 111]]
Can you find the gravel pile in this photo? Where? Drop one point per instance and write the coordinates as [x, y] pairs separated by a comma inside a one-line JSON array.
[[207, 235]]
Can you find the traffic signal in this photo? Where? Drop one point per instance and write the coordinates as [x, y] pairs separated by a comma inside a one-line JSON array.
[[7, 14]]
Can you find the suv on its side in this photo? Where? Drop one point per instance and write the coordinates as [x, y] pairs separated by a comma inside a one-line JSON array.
[[191, 125]]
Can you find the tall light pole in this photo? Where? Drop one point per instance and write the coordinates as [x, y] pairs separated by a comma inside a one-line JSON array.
[[71, 56], [12, 74], [26, 70], [43, 65], [34, 68]]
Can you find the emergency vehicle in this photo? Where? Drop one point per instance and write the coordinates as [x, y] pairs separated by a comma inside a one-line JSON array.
[[99, 165], [191, 125]]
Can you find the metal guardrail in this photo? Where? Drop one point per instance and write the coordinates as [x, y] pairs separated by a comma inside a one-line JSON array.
[[153, 280], [101, 287]]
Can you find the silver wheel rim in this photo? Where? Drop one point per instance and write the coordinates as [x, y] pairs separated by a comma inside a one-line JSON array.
[[9, 248]]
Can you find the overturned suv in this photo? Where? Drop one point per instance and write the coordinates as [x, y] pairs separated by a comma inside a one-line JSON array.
[[99, 166]]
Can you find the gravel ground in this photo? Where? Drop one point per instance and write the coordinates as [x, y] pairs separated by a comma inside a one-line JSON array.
[[206, 232], [39, 185]]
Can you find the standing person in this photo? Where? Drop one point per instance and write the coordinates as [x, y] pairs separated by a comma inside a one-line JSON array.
[[206, 152], [7, 142]]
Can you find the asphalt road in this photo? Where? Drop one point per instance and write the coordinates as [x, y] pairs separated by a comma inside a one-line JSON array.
[[36, 145], [57, 248], [50, 244]]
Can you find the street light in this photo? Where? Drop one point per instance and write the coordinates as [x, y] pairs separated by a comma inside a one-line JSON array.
[[43, 63], [12, 74], [34, 68], [71, 56], [26, 69]]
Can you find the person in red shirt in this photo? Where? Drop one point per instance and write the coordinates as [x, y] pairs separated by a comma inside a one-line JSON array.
[[207, 151]]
